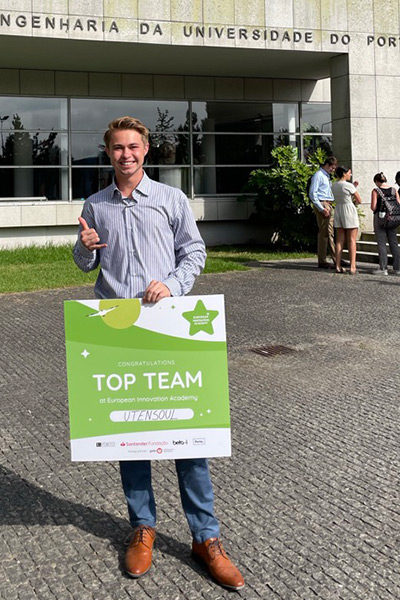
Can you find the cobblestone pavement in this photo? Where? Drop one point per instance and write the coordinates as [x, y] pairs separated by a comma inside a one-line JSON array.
[[309, 501]]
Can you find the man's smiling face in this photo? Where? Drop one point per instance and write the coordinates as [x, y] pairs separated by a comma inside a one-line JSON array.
[[127, 152]]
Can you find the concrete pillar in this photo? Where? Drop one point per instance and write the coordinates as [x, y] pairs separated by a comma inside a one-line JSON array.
[[359, 127], [365, 88]]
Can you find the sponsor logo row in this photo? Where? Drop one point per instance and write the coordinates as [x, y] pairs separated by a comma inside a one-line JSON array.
[[158, 450]]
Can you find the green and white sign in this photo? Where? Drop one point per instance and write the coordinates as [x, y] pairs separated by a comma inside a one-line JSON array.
[[147, 381]]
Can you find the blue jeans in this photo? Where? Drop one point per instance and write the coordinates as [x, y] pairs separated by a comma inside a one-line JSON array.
[[196, 491]]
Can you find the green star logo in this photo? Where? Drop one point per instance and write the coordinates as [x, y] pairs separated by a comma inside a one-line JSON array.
[[200, 318]]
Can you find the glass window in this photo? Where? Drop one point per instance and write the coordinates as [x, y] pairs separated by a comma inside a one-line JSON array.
[[176, 176], [33, 113], [165, 148], [220, 180], [24, 148], [317, 117], [245, 117], [168, 149], [88, 149], [157, 115], [89, 180], [252, 149], [218, 143], [286, 140], [34, 183], [312, 142], [286, 118]]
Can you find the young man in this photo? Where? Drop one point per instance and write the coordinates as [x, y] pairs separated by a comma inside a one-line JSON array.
[[144, 236], [322, 198]]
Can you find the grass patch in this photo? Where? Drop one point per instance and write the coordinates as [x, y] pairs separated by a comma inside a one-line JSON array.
[[32, 268], [30, 255], [238, 258]]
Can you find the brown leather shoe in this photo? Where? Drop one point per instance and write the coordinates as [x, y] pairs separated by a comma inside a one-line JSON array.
[[140, 551], [212, 554]]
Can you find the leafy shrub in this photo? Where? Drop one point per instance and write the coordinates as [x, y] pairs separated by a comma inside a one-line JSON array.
[[282, 199]]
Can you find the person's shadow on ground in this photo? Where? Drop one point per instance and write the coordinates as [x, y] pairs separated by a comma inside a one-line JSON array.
[[24, 503]]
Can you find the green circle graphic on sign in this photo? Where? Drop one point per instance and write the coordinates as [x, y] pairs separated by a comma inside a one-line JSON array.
[[120, 316]]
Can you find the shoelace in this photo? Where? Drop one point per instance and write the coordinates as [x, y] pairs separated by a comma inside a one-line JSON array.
[[138, 535], [215, 547]]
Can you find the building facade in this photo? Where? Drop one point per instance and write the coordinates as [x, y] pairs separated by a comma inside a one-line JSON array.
[[219, 83]]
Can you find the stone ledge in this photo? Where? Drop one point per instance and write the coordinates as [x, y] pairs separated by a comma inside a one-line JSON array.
[[53, 213]]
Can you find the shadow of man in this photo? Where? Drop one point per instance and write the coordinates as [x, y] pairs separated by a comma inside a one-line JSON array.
[[24, 503]]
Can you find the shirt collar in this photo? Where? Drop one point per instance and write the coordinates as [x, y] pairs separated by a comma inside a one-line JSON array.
[[325, 173], [143, 188], [114, 189], [144, 185]]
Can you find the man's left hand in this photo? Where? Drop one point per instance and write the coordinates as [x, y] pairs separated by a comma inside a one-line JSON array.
[[155, 291]]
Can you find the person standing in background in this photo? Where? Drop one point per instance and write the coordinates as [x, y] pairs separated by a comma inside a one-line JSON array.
[[322, 198], [346, 221], [397, 179], [383, 189]]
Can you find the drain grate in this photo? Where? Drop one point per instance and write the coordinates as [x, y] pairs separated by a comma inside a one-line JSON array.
[[272, 350]]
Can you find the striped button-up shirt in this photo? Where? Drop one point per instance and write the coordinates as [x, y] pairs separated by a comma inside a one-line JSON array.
[[150, 235]]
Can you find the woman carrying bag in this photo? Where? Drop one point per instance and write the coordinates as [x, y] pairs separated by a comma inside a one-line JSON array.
[[382, 196]]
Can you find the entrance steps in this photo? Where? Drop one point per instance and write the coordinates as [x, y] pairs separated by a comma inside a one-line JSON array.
[[367, 248]]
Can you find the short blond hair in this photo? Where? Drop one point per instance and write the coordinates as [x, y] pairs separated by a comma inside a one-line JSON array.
[[122, 123]]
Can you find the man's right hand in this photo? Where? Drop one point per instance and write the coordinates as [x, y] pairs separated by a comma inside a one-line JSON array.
[[326, 212], [89, 237]]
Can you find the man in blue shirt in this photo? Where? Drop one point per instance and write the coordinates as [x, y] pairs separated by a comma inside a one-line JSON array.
[[321, 196], [144, 237]]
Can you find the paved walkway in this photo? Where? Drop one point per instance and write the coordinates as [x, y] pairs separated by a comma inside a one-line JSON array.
[[308, 503]]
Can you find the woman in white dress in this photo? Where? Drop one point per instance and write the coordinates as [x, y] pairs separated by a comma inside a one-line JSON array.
[[346, 222]]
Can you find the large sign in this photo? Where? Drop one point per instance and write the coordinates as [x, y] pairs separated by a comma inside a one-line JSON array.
[[147, 381]]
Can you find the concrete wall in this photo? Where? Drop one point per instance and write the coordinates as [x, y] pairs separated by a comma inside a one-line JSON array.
[[138, 85]]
